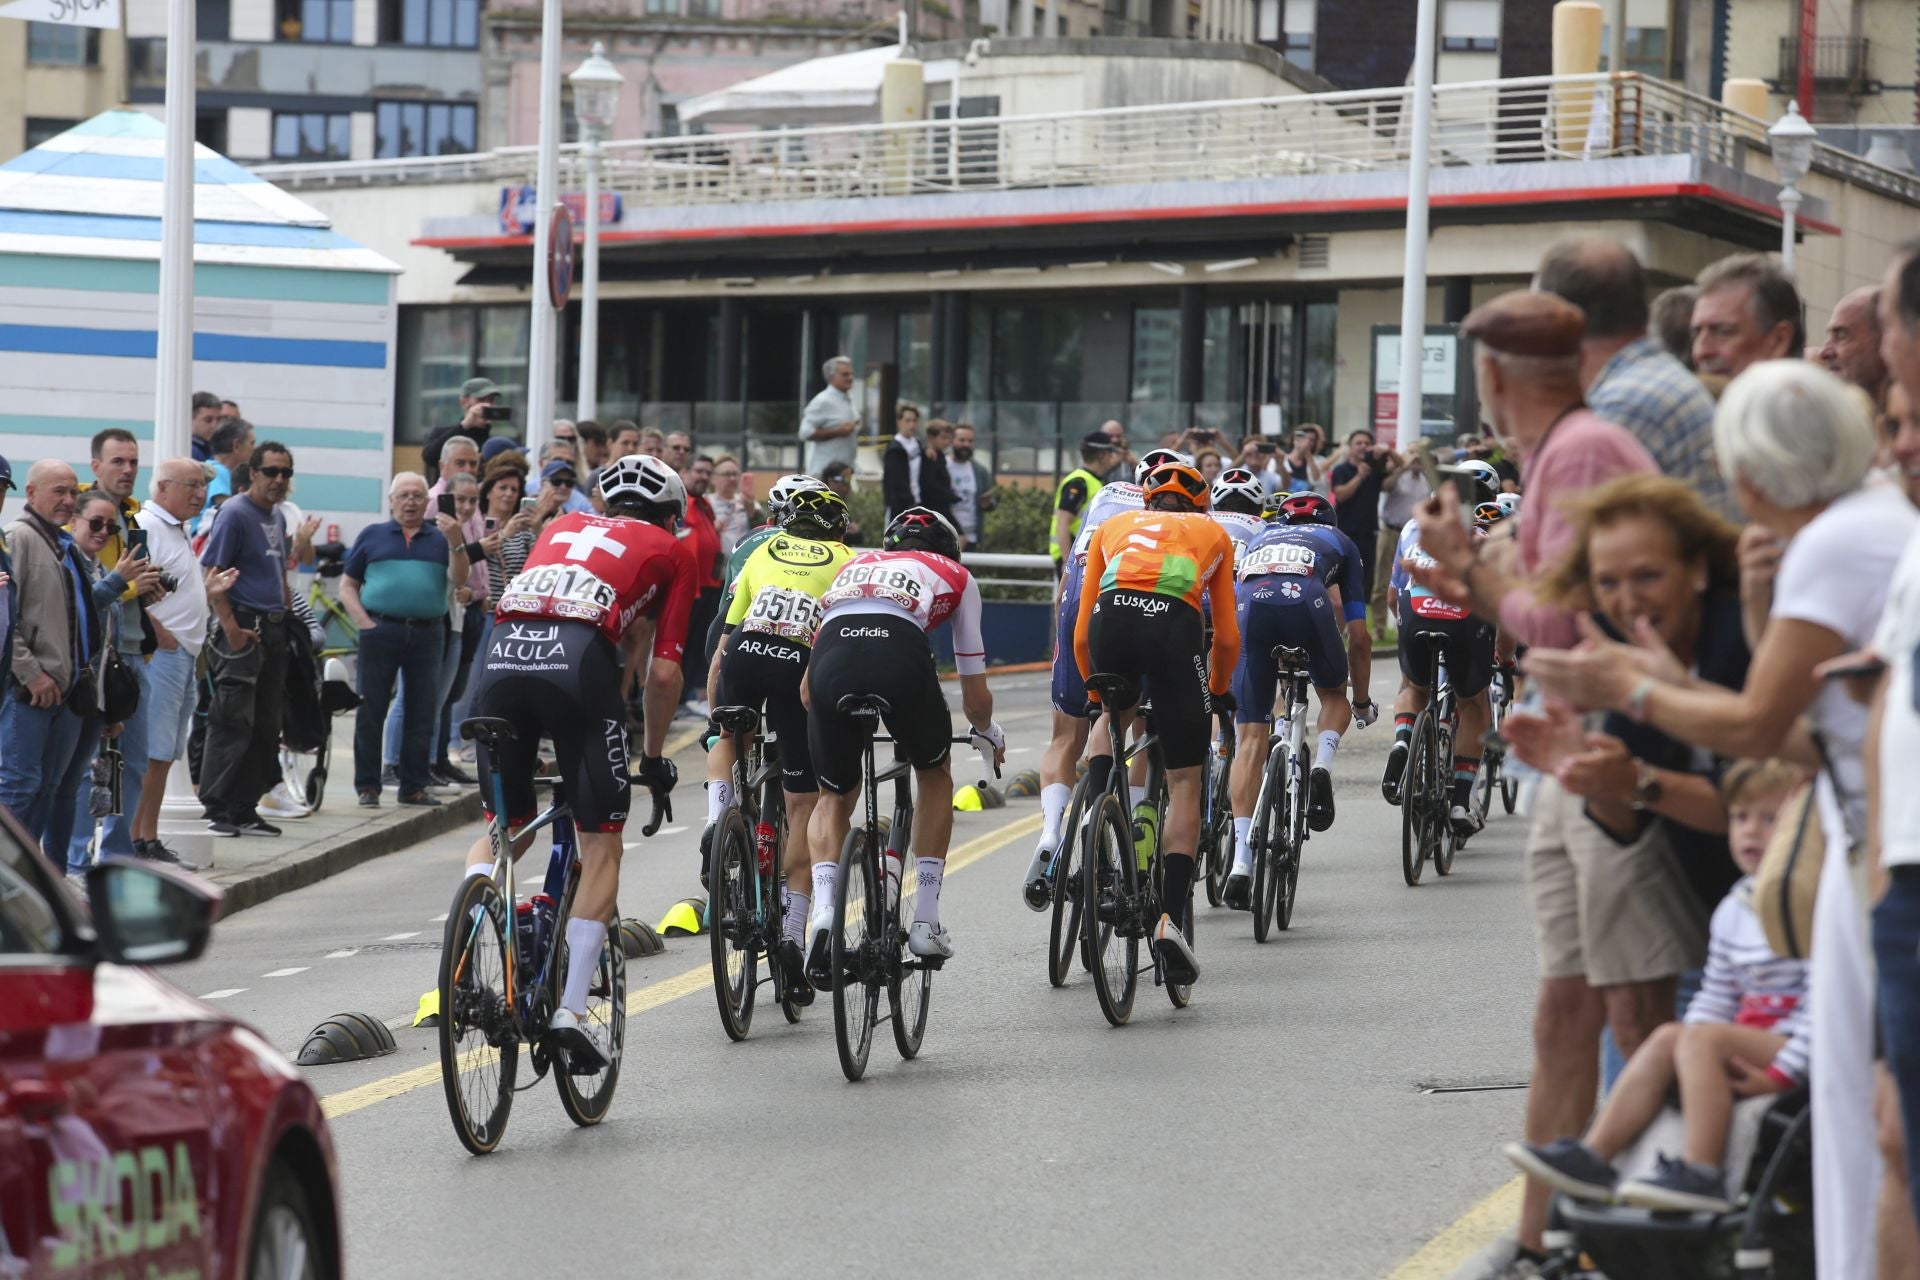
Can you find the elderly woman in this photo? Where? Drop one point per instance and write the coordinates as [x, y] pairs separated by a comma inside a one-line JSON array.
[[1796, 447]]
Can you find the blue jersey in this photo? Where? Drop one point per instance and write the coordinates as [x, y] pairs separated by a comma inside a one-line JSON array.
[[1316, 551]]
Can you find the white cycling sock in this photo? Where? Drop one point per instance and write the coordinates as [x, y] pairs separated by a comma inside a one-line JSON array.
[[825, 876], [719, 796], [926, 902], [479, 869], [1137, 795], [1329, 743], [1242, 847], [1054, 799], [583, 959], [795, 921]]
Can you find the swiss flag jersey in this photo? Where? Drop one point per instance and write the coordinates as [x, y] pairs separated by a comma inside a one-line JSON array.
[[608, 571]]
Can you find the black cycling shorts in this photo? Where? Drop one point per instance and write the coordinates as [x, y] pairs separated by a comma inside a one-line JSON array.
[[886, 656], [1468, 648], [1160, 642], [559, 680], [1271, 617], [764, 671]]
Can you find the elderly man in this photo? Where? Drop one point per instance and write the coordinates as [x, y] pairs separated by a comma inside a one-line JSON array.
[[1631, 381], [1747, 311], [42, 653], [1852, 347], [206, 416], [1670, 316], [395, 589], [829, 422], [247, 662], [677, 450], [232, 444]]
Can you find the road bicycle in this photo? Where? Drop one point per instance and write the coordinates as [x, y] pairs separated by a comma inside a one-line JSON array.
[[1493, 759], [1215, 855], [1279, 832], [745, 877], [1426, 830], [1119, 877], [1064, 937], [501, 966], [869, 941]]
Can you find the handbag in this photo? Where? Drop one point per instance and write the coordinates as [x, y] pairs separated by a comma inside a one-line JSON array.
[[1787, 881], [120, 696]]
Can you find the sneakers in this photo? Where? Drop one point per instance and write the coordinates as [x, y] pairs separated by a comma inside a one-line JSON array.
[[255, 825], [1568, 1166], [930, 941], [154, 851], [1396, 771], [1238, 893], [577, 1038], [819, 966], [1462, 819], [1319, 799], [1680, 1186], [1038, 891], [222, 827], [452, 775], [1176, 957], [281, 802], [793, 968]]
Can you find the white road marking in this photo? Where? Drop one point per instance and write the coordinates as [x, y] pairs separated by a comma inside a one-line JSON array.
[[223, 993], [287, 973], [439, 919], [343, 953], [669, 831], [400, 937], [1018, 751]]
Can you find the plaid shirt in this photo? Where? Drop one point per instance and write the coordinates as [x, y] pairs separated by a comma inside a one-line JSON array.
[[1651, 394]]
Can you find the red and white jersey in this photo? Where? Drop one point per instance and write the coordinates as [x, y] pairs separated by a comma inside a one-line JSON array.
[[925, 588], [608, 572]]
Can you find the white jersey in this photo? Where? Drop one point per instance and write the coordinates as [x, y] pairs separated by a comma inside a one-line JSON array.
[[1121, 495], [924, 588], [1241, 529]]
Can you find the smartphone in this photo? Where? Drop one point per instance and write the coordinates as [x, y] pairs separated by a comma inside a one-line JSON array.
[[1867, 668], [1265, 446], [1429, 469], [527, 505], [446, 504], [136, 541], [1465, 488], [496, 413], [492, 524]]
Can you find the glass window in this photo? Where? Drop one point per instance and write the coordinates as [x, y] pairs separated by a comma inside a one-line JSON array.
[[423, 129], [312, 135], [1156, 354], [436, 356], [702, 8], [1470, 26], [29, 925], [54, 44], [40, 128], [1316, 396], [913, 340], [1037, 351], [663, 6], [1266, 21], [1298, 18], [503, 349], [440, 24]]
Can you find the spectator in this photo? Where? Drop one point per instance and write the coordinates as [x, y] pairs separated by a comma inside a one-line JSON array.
[[1851, 350], [1100, 461], [179, 620], [732, 502], [1671, 315], [232, 446], [247, 661], [1305, 468], [1116, 431], [838, 477], [1208, 463], [703, 540], [477, 395], [829, 422], [9, 602], [623, 440], [558, 476], [466, 605], [677, 450], [1261, 455], [592, 438], [1747, 311], [508, 536], [1796, 447], [458, 457], [1489, 452], [900, 463], [972, 483], [206, 416], [1357, 481], [1400, 497], [230, 409], [395, 588], [501, 447], [652, 443], [36, 725], [935, 484], [563, 429], [1630, 380]]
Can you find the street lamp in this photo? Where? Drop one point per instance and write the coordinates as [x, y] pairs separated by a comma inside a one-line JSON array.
[[1792, 140], [596, 98]]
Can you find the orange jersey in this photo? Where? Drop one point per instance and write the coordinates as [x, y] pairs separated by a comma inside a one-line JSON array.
[[1176, 554]]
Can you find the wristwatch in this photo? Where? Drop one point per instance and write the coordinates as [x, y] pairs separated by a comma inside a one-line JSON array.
[[1646, 786]]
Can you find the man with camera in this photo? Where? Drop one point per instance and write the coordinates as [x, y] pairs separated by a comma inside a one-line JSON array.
[[480, 408], [1357, 481]]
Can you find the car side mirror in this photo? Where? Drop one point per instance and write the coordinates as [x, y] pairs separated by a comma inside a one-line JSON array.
[[149, 915]]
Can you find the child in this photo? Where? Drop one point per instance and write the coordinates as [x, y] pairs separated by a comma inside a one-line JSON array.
[[1745, 1034]]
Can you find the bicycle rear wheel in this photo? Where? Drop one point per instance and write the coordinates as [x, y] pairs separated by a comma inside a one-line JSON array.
[[1069, 904], [1287, 867], [479, 1035], [731, 927], [858, 974], [1416, 800], [909, 991], [1180, 993], [1217, 839], [1270, 847], [1442, 843], [585, 1098], [1109, 883]]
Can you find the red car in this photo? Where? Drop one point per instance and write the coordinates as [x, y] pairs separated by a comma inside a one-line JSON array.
[[143, 1133]]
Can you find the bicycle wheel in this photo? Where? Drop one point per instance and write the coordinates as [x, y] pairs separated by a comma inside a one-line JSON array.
[[1180, 993], [1441, 841], [1069, 906], [731, 927], [1217, 839], [1416, 799], [1509, 792], [1269, 847], [1484, 786], [858, 916], [908, 991], [1287, 866], [585, 1098], [1109, 882], [315, 787], [479, 1035]]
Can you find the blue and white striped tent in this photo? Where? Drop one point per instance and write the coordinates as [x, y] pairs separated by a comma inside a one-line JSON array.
[[291, 320]]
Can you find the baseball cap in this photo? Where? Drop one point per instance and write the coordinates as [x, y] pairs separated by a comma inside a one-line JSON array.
[[1097, 440], [497, 446], [6, 474], [476, 387], [557, 467]]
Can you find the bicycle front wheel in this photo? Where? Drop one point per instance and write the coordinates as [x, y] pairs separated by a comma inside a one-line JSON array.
[[1069, 904], [585, 1098], [731, 927], [908, 990], [1287, 865], [1417, 799], [1442, 843], [1217, 839], [859, 918], [1270, 847], [479, 1035], [1109, 884]]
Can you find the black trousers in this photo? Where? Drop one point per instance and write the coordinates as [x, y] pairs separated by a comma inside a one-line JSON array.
[[242, 755]]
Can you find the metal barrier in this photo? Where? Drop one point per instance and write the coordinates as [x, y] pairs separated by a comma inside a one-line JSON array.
[[1041, 564]]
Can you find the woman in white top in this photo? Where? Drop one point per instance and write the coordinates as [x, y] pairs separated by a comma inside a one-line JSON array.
[[732, 502]]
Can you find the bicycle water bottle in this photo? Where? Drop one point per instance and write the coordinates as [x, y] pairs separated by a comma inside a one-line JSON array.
[[524, 933], [891, 865], [763, 848]]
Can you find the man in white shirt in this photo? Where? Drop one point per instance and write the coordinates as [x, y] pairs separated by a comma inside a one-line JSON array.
[[829, 422]]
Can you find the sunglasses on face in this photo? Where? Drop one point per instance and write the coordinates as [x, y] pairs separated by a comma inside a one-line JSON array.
[[98, 524], [275, 473]]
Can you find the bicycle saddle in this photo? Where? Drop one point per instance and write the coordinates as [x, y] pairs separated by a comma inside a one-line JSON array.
[[1433, 637], [737, 720], [863, 704], [491, 730], [1288, 656], [1116, 692]]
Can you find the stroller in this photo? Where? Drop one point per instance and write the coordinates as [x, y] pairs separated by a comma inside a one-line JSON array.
[[318, 689]]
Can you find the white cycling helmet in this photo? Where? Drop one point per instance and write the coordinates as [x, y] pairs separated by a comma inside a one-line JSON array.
[[1509, 504], [1239, 482], [780, 496], [1157, 458], [644, 479], [1485, 475]]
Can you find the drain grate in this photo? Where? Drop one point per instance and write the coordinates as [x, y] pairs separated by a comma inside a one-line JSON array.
[[1484, 1084]]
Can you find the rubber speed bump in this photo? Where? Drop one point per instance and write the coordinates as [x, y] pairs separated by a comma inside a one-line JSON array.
[[686, 918], [428, 1014], [968, 800], [639, 940], [346, 1037], [1024, 783]]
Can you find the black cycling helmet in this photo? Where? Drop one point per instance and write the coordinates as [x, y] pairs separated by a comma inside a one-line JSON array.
[[918, 529], [1306, 508], [819, 514]]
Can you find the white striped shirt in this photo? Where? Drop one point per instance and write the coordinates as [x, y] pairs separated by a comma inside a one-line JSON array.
[[1748, 983]]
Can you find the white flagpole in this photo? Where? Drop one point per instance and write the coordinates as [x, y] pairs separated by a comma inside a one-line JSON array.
[[1413, 301], [173, 380]]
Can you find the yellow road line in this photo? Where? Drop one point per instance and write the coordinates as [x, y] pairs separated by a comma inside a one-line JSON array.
[[651, 996], [1471, 1232]]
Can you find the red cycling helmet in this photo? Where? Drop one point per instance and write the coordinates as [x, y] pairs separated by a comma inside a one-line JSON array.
[[1306, 508]]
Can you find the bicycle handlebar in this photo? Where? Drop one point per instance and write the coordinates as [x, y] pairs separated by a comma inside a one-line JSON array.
[[662, 807]]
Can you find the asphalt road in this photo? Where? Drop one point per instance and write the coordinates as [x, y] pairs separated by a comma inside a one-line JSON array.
[[1322, 1108]]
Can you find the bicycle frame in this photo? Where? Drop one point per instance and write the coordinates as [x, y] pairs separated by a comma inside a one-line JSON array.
[[562, 878], [1289, 732]]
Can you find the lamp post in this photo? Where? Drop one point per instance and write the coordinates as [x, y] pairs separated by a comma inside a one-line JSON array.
[[596, 98], [1413, 285], [1792, 139]]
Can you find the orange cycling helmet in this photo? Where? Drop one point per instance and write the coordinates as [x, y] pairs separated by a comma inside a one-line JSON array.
[[1176, 478]]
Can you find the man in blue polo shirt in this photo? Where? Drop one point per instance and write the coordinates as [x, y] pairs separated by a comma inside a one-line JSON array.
[[395, 587]]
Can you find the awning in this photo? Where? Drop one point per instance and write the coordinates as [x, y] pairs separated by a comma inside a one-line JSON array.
[[843, 88]]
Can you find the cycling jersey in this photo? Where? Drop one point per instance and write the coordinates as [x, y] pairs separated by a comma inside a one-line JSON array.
[[607, 571], [1316, 551], [1121, 495], [1423, 603], [1171, 556], [1465, 640], [1242, 529], [778, 590], [1069, 689], [918, 586]]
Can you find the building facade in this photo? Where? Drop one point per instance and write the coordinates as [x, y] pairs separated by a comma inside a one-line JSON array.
[[60, 76]]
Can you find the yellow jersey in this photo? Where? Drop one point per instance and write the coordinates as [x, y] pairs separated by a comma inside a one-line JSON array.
[[779, 588]]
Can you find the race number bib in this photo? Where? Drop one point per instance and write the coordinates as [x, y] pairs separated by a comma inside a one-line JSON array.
[[1278, 557], [784, 612], [558, 591]]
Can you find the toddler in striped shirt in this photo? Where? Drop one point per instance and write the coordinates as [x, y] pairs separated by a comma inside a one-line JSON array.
[[1744, 1034]]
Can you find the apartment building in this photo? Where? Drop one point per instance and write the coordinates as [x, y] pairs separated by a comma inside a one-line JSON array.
[[53, 76]]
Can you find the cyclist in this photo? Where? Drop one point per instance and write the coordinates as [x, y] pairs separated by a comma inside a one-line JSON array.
[[762, 655], [1293, 577], [594, 589], [1069, 691], [1141, 619], [873, 640], [1239, 499], [1469, 652]]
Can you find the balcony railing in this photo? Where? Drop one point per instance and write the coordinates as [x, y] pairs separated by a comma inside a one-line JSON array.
[[1839, 62], [1477, 123]]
